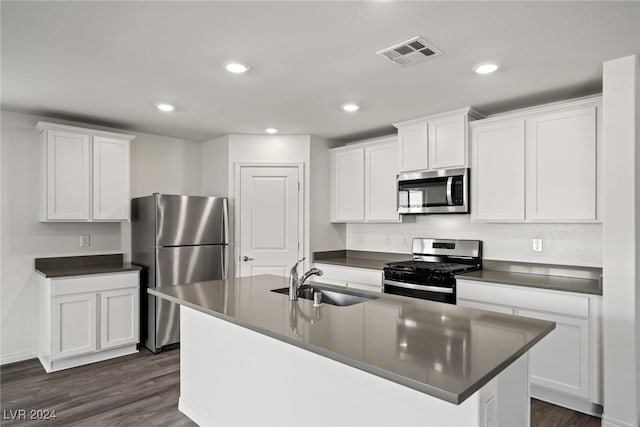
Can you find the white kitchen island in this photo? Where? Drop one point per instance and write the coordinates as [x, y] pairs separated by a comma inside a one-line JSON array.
[[249, 356]]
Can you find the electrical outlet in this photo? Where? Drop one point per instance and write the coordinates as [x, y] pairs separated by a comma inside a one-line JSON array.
[[387, 240], [405, 240], [85, 241], [537, 245]]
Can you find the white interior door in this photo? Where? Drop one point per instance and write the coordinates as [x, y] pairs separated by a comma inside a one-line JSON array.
[[270, 219]]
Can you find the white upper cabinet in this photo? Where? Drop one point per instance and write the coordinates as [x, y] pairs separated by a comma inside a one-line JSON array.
[[67, 176], [448, 142], [435, 142], [363, 182], [381, 170], [86, 174], [412, 146], [561, 165], [110, 178], [537, 165], [498, 174], [348, 184]]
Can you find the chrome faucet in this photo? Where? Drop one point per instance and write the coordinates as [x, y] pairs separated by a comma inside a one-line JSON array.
[[295, 282]]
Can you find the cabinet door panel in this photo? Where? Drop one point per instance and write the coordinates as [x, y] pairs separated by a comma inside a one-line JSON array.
[[118, 318], [110, 179], [380, 182], [561, 165], [561, 360], [498, 172], [447, 142], [348, 185], [413, 152], [74, 325], [67, 176]]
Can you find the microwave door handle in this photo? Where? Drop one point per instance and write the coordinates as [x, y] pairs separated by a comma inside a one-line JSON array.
[[449, 191]]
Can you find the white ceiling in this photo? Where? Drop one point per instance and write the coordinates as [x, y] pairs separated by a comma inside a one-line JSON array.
[[110, 62]]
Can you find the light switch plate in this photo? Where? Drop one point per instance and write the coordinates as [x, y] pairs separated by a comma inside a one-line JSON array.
[[537, 245]]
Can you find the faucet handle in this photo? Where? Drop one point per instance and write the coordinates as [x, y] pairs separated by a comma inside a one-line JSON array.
[[294, 269]]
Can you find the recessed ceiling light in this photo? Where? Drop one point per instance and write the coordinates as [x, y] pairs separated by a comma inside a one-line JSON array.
[[163, 106], [486, 67], [236, 67], [350, 107], [271, 130]]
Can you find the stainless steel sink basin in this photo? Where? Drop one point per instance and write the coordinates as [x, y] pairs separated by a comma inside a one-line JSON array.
[[330, 295]]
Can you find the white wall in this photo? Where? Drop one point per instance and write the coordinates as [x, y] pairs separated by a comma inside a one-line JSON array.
[[220, 157], [270, 148], [621, 241], [165, 165], [215, 167], [159, 163], [568, 244], [325, 236]]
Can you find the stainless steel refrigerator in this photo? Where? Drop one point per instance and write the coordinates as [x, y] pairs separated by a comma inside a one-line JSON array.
[[177, 240]]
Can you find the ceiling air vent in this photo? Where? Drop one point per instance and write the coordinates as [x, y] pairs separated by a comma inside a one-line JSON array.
[[410, 52]]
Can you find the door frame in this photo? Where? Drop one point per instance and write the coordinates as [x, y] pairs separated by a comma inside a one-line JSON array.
[[303, 222]]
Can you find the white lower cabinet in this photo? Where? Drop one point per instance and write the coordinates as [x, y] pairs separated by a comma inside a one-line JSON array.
[[85, 319], [74, 320], [565, 368], [561, 360], [351, 277], [118, 317]]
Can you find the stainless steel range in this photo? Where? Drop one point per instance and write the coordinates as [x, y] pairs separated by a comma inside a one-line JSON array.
[[431, 274]]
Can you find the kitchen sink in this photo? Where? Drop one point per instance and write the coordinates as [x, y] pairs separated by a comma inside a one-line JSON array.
[[329, 295]]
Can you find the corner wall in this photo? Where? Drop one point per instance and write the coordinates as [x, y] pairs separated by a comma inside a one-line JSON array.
[[158, 164], [325, 236], [621, 241]]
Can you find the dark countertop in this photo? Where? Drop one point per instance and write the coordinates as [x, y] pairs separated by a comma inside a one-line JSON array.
[[359, 259], [443, 350], [556, 283], [82, 265]]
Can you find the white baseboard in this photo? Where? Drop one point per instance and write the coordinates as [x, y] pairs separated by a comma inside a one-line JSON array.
[[17, 357], [99, 356], [193, 415], [610, 422], [566, 401]]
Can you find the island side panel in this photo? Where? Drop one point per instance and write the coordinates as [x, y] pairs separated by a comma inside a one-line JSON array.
[[230, 375]]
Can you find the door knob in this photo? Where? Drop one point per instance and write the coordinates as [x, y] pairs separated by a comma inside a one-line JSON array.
[[246, 258]]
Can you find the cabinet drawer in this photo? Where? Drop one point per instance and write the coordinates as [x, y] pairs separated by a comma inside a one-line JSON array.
[[94, 283], [525, 298], [350, 274]]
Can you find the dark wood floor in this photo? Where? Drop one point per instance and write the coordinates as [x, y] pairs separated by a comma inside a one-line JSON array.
[[141, 389]]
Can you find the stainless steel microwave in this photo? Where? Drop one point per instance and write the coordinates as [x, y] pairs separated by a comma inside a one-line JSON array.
[[443, 191]]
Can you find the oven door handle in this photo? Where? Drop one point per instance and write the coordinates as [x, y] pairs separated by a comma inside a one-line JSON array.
[[439, 289]]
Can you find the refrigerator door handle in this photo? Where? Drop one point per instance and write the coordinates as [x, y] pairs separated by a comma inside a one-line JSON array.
[[225, 222]]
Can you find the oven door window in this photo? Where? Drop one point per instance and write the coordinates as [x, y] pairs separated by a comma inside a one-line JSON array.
[[424, 193]]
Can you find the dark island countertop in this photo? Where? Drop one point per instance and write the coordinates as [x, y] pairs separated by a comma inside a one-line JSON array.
[[82, 265], [359, 259], [443, 350]]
